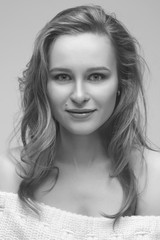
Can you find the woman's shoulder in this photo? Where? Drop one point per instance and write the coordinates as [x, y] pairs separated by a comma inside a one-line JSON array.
[[148, 184], [153, 174], [9, 178]]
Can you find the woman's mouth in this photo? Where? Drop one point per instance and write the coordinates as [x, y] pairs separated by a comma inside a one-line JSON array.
[[81, 113]]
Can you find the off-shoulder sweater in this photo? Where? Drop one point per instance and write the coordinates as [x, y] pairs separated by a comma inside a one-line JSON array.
[[17, 223]]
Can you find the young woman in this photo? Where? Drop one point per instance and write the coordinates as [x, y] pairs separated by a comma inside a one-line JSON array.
[[85, 170]]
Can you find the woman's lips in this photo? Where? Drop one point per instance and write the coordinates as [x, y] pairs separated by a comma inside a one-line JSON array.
[[81, 114], [80, 110]]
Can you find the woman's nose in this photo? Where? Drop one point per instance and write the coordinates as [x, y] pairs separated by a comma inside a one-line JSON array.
[[79, 94]]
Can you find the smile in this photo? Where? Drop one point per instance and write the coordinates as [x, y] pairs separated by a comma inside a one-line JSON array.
[[81, 114], [80, 110]]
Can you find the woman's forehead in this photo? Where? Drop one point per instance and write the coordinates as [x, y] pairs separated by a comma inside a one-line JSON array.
[[86, 48]]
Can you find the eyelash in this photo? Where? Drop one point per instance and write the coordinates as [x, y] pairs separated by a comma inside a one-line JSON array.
[[101, 75], [56, 77]]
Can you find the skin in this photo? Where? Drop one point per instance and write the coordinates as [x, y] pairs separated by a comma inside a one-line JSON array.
[[88, 81]]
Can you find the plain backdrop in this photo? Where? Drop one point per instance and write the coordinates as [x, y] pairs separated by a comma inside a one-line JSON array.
[[21, 20]]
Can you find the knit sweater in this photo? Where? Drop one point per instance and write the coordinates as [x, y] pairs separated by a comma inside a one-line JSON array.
[[18, 223]]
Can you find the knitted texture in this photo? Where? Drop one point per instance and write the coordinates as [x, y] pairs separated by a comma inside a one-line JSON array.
[[19, 223]]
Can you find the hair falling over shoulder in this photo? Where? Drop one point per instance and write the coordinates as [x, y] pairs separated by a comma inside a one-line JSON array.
[[39, 129]]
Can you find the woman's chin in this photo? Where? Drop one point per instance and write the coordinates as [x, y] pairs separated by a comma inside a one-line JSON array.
[[80, 130]]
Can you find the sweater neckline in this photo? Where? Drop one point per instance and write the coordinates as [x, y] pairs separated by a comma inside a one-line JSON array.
[[47, 209], [51, 209]]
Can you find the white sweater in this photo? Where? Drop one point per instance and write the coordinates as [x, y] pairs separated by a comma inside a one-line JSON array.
[[56, 224]]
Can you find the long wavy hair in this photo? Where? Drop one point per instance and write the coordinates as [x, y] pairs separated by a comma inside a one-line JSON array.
[[39, 129]]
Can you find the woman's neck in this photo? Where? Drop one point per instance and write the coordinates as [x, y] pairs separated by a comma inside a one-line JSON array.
[[79, 150]]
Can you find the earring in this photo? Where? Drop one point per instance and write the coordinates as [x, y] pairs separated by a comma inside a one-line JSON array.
[[118, 93]]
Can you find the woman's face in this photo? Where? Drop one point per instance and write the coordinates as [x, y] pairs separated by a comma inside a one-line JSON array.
[[83, 83]]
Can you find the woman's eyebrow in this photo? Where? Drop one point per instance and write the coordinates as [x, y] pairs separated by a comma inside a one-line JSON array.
[[59, 69], [88, 70], [98, 69]]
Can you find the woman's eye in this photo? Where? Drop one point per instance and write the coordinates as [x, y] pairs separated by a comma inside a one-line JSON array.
[[62, 77], [96, 77]]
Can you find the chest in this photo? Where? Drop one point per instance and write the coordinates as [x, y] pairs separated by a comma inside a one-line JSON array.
[[85, 195]]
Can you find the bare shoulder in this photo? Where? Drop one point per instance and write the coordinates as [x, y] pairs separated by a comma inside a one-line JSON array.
[[149, 185], [9, 178]]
